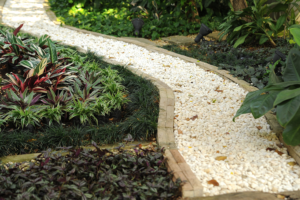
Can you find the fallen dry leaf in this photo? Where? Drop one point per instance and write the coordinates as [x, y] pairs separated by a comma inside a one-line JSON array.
[[167, 66], [227, 133], [180, 131], [179, 91], [178, 84], [213, 182], [279, 152], [187, 119], [194, 117], [221, 158], [292, 163], [217, 151], [219, 90], [140, 146], [279, 196], [270, 149], [259, 127], [224, 97], [111, 57], [194, 137], [208, 102]]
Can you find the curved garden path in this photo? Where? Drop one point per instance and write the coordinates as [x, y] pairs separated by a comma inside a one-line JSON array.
[[232, 153]]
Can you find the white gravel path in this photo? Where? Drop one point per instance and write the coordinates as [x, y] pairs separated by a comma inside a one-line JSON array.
[[247, 167]]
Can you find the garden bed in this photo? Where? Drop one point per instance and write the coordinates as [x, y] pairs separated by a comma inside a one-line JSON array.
[[138, 117]]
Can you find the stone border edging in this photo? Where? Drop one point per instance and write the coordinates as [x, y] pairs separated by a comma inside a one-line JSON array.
[[294, 151]]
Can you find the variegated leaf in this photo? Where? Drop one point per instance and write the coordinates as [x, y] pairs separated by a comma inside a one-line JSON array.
[[3, 60], [52, 50], [27, 64], [43, 40]]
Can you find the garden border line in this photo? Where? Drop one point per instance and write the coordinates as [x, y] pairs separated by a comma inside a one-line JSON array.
[[165, 136], [294, 151]]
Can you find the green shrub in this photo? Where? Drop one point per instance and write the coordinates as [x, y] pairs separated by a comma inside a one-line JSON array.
[[163, 18], [281, 93], [87, 174], [254, 23]]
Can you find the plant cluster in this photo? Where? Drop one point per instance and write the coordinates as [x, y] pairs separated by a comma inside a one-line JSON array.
[[247, 63], [51, 86], [282, 93], [162, 17], [138, 117], [255, 23], [90, 174]]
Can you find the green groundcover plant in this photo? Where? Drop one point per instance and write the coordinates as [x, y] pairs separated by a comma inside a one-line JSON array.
[[53, 103], [244, 62], [162, 17], [90, 174], [281, 93]]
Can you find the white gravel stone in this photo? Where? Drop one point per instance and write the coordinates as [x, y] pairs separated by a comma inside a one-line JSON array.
[[248, 166]]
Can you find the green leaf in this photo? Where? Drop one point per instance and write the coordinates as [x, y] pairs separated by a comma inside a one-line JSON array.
[[287, 110], [52, 50], [286, 95], [291, 133], [295, 31], [245, 108], [39, 69], [282, 85], [43, 40], [292, 71], [280, 21], [262, 104], [27, 64], [273, 78], [241, 40], [263, 39]]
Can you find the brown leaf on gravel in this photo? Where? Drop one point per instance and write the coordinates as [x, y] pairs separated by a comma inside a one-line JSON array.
[[227, 133], [217, 151], [177, 84], [270, 149], [167, 66], [224, 97], [259, 127], [279, 152], [187, 119], [219, 90], [194, 117], [213, 182], [179, 91], [221, 158], [208, 102], [180, 131]]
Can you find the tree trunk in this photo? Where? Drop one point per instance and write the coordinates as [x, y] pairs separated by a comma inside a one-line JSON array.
[[238, 4]]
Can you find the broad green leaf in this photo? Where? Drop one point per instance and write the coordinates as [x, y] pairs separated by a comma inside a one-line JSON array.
[[262, 104], [280, 21], [52, 50], [292, 71], [295, 31], [287, 110], [282, 85], [263, 39], [286, 95], [245, 108], [239, 28], [291, 133], [241, 40]]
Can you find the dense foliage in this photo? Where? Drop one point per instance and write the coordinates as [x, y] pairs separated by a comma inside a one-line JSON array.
[[283, 93], [77, 104], [255, 23], [90, 174], [162, 17], [248, 63]]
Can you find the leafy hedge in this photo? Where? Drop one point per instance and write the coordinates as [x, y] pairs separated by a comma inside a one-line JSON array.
[[248, 63], [139, 115], [87, 174], [162, 18]]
